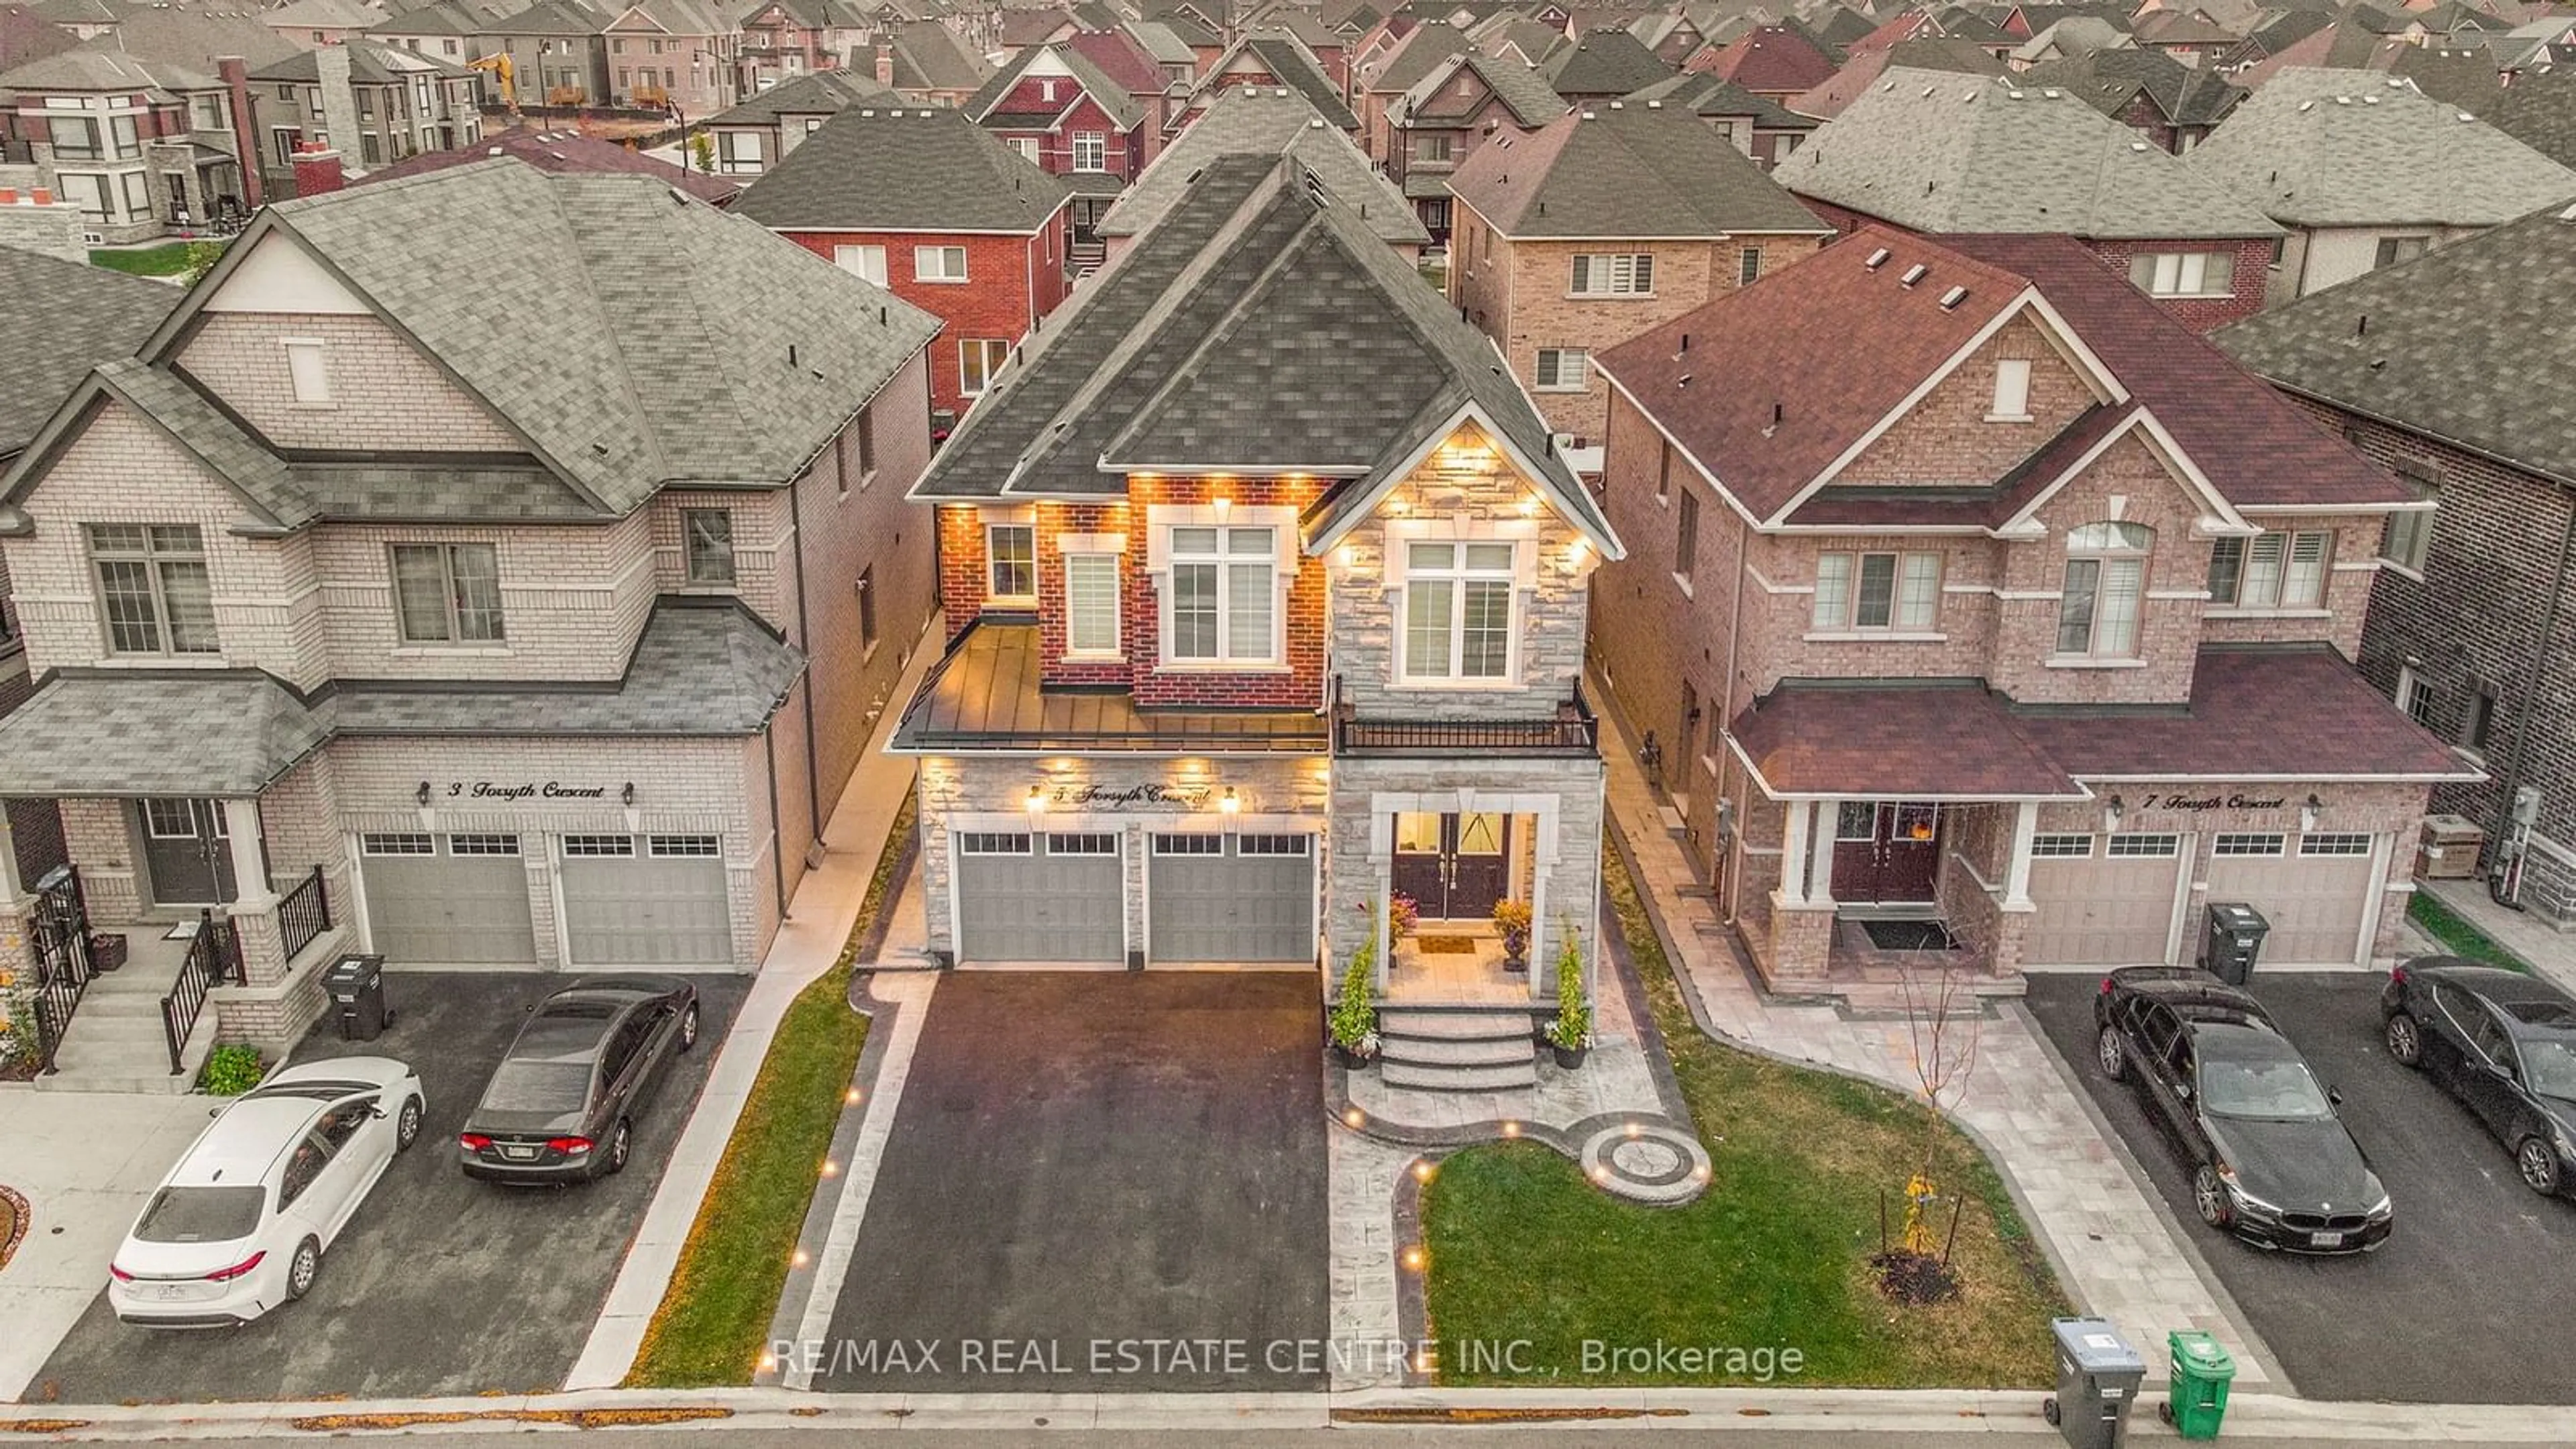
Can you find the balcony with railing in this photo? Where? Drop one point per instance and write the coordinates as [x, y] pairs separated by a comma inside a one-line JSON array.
[[1572, 730]]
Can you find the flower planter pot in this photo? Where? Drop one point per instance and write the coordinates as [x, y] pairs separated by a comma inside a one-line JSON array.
[[1351, 1058], [107, 952], [1568, 1057]]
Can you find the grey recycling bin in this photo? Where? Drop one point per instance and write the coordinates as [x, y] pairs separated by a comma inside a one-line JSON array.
[[2098, 1374], [2231, 940], [356, 985]]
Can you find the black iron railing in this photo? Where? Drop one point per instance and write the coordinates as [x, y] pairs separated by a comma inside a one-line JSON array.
[[60, 928], [214, 957], [304, 914], [1572, 730]]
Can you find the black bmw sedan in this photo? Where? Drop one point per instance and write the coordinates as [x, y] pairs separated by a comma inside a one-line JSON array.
[[2505, 1045], [562, 1105], [2270, 1160]]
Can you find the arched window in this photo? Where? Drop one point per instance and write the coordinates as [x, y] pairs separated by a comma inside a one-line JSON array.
[[2106, 569]]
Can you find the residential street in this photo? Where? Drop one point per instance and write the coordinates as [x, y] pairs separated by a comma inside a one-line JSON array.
[[2471, 1239]]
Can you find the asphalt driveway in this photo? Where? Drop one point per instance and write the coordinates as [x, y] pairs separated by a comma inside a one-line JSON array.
[[2467, 1303], [1097, 1180], [439, 1285]]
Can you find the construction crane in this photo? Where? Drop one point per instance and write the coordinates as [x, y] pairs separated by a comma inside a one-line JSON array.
[[498, 63]]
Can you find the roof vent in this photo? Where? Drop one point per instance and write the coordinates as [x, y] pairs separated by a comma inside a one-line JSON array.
[[1953, 297], [2370, 100], [2465, 116], [1928, 91], [1913, 274], [1650, 105], [1614, 105], [2016, 94], [2343, 100], [867, 110], [1682, 381], [2137, 145], [2306, 106], [1877, 259], [1587, 115], [2052, 93]]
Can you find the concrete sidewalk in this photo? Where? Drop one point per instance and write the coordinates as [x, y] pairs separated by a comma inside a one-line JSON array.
[[2114, 1247], [819, 921], [2550, 951]]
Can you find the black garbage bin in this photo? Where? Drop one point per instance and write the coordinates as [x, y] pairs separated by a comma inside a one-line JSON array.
[[2231, 941], [357, 989]]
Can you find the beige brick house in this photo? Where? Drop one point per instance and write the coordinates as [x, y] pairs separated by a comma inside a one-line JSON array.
[[1578, 236], [1976, 607], [1266, 594], [428, 586]]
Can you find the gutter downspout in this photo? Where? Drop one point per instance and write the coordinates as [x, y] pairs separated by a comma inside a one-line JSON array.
[[805, 637], [777, 857], [1726, 702], [2531, 693]]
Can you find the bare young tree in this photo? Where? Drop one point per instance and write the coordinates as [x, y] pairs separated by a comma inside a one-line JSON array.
[[1943, 1024]]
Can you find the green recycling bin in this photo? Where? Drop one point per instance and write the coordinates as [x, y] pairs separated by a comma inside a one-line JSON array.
[[2197, 1400]]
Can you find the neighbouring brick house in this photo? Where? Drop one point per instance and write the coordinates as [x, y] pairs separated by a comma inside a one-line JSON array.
[[1270, 59], [1775, 62], [1761, 128], [1942, 153], [132, 143], [933, 207], [1057, 107], [1599, 66], [2473, 620], [679, 55], [1267, 121], [758, 134], [1224, 675], [1378, 81], [1585, 233], [2175, 106], [1968, 586], [374, 104], [1434, 127], [467, 634], [785, 39], [2366, 171]]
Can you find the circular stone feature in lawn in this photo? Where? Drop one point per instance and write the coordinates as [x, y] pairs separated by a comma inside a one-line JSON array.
[[13, 1224], [1647, 1160]]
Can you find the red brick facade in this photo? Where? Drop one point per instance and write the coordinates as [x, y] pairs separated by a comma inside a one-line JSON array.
[[1012, 280], [1123, 153]]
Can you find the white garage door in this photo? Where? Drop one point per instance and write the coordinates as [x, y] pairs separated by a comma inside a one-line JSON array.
[[646, 900], [2314, 889], [1040, 896], [2104, 900], [1240, 898], [447, 900]]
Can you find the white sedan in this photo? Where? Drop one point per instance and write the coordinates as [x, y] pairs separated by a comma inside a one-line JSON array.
[[240, 1225]]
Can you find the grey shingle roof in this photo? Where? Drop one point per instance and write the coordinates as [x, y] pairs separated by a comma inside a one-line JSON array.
[[64, 319], [1941, 152], [1415, 55], [2354, 148], [1291, 63], [370, 63], [820, 93], [2539, 110], [1124, 110], [702, 667], [2452, 338], [1254, 329], [100, 65], [1707, 96], [1518, 87], [1602, 63], [2108, 80], [1267, 121], [1618, 171], [907, 168]]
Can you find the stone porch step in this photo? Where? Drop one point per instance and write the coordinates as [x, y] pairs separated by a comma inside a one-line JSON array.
[[1498, 1078], [1456, 1023], [116, 1052], [1455, 1051]]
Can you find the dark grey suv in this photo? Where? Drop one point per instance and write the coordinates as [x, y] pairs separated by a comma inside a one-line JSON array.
[[562, 1105]]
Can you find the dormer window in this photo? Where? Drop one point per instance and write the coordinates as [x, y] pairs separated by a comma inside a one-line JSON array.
[[2106, 570], [2012, 391]]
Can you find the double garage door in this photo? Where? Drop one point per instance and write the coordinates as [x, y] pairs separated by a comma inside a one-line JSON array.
[[1034, 896], [2110, 900], [628, 900]]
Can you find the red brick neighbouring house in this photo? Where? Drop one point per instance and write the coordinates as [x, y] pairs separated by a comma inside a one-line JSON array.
[[939, 211]]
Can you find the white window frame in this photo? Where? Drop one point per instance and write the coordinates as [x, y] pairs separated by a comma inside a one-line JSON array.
[[1549, 373], [1611, 274], [2271, 573], [2012, 391], [2344, 844], [994, 353], [162, 552], [2417, 698], [394, 843], [863, 261], [308, 371], [2249, 845], [2184, 275], [1077, 563], [2142, 845], [2066, 846], [596, 846], [730, 149], [995, 842], [931, 264], [2407, 540], [2105, 556], [1279, 523], [1094, 145], [1913, 593], [1458, 573], [455, 609], [684, 847], [993, 592]]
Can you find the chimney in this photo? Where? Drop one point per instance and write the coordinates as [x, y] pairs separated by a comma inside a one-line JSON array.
[[234, 71], [885, 65], [36, 222], [339, 105], [317, 171]]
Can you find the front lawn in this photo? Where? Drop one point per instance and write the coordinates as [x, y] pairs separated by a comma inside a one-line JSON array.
[[2458, 936], [1775, 1256], [714, 1320], [172, 260]]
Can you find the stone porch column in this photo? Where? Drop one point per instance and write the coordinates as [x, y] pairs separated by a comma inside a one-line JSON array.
[[254, 906], [2017, 869], [1793, 855], [17, 942], [1820, 841]]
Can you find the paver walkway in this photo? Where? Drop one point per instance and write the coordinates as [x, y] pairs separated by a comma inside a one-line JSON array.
[[2550, 951], [2114, 1248]]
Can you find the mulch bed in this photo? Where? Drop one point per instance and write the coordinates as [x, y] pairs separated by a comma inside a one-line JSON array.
[[13, 1224]]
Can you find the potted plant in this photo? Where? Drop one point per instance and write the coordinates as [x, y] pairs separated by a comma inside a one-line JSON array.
[[1351, 1023], [1512, 918], [1570, 1032], [1402, 912]]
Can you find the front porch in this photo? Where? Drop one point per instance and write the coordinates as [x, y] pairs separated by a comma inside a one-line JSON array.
[[1457, 964]]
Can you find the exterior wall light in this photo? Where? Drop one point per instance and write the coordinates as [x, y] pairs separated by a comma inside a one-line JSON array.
[[1230, 803]]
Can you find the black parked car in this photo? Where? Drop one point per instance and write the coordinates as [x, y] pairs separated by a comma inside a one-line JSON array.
[[562, 1105], [2270, 1161], [2504, 1044]]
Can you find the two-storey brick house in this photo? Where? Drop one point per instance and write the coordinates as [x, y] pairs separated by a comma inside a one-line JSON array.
[[1970, 590], [1055, 105], [1433, 128], [756, 135], [1602, 224], [1267, 121], [2471, 625], [135, 144], [1251, 633], [403, 594], [1950, 154]]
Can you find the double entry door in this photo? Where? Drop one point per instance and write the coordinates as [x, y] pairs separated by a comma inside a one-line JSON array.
[[1454, 866], [1886, 852], [187, 851]]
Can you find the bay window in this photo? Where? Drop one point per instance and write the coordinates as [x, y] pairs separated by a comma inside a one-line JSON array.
[[1221, 604], [1458, 610], [2097, 610]]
